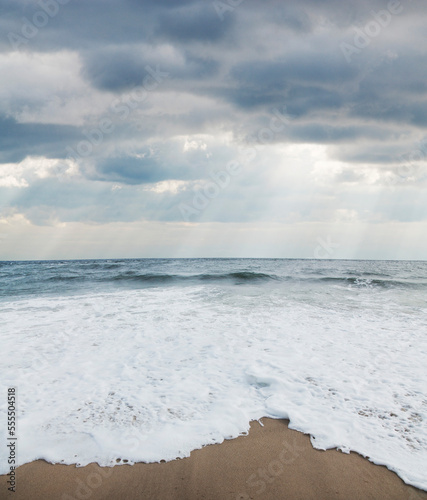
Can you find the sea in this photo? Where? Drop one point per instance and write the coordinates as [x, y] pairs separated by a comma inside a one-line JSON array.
[[125, 361]]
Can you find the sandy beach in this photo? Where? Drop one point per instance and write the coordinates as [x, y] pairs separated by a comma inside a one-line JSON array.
[[272, 462]]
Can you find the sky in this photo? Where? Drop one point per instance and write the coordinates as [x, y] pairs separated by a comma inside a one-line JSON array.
[[201, 128]]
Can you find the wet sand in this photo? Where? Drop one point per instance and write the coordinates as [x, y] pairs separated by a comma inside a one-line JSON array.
[[271, 463]]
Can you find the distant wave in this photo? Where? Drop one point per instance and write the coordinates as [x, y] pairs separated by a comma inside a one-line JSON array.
[[107, 275], [149, 278], [68, 277], [371, 282], [242, 276]]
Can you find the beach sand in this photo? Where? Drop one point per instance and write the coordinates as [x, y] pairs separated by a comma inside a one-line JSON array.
[[272, 462]]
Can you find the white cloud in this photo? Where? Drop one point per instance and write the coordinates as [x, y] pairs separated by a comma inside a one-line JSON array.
[[54, 93], [166, 187], [193, 145], [22, 174]]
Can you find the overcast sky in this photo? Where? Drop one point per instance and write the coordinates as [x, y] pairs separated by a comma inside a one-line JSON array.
[[174, 128]]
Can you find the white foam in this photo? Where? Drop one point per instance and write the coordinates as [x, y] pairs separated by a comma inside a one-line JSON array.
[[146, 375]]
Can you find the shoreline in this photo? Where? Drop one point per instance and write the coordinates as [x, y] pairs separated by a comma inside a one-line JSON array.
[[272, 462]]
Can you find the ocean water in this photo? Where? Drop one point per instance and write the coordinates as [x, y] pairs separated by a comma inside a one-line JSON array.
[[121, 361]]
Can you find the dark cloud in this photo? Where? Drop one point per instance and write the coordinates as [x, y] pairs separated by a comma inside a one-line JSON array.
[[248, 98], [151, 164], [330, 134], [301, 67], [189, 24], [80, 24], [301, 100], [114, 69], [293, 16], [306, 82], [131, 170], [118, 69], [18, 140], [225, 76]]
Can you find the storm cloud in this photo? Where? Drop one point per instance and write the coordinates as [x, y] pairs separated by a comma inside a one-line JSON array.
[[127, 111]]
